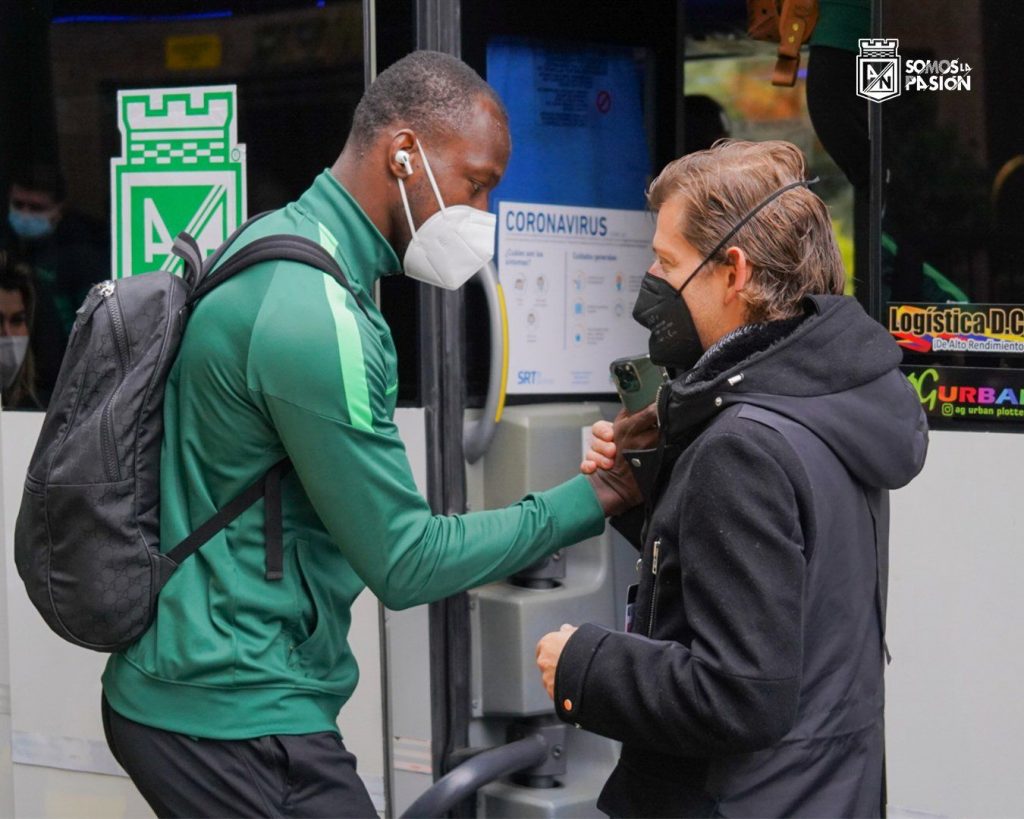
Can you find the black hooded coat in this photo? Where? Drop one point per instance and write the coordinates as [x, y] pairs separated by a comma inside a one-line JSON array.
[[751, 683]]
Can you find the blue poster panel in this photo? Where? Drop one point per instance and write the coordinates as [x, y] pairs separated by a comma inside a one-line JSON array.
[[577, 122]]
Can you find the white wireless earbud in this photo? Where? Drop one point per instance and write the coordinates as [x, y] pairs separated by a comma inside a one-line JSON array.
[[402, 158]]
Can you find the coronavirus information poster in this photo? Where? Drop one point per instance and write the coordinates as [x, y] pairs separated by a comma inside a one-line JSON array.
[[571, 276]]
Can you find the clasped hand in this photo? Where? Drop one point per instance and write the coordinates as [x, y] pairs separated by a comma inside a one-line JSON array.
[[617, 491]]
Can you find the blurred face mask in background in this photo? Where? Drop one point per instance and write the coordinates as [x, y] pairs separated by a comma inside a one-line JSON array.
[[451, 245], [30, 226], [12, 356]]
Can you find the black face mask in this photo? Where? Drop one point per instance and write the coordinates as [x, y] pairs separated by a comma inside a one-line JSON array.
[[662, 309]]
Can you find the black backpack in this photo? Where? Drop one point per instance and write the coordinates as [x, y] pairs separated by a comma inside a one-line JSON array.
[[87, 540]]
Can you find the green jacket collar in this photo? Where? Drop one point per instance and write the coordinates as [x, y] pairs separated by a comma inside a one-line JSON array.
[[363, 252]]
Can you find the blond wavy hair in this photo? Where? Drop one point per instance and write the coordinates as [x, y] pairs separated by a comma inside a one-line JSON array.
[[789, 243]]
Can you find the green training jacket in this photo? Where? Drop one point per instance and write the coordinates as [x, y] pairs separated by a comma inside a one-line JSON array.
[[276, 361]]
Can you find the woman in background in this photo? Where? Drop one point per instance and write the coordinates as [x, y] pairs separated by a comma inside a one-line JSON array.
[[17, 310]]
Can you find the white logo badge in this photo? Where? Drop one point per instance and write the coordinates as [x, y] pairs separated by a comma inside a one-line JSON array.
[[878, 70]]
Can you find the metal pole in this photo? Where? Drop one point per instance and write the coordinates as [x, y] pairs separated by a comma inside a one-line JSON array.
[[442, 363], [877, 192]]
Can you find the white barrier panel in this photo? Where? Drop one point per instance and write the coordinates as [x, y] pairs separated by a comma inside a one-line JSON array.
[[955, 714]]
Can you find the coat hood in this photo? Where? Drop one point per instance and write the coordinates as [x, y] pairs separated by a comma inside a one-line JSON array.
[[837, 373]]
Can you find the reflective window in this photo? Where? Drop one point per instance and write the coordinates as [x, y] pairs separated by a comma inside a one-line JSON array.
[[298, 69], [953, 211], [729, 92]]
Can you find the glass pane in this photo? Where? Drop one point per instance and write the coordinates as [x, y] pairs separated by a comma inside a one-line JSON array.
[[953, 212], [729, 92], [298, 70]]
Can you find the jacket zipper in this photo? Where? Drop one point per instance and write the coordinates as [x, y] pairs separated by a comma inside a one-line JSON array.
[[108, 445], [656, 549], [657, 402]]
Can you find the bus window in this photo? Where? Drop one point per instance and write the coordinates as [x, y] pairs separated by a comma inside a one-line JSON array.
[[953, 211], [729, 94], [297, 68]]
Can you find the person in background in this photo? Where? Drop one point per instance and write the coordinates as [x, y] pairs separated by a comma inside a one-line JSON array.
[[750, 679], [66, 250], [17, 362]]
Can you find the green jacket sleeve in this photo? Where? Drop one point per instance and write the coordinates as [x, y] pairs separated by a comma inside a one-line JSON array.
[[359, 481]]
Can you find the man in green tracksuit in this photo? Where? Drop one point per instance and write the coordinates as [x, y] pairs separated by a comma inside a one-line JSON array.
[[228, 704]]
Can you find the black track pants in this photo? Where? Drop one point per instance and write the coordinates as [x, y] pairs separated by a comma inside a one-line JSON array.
[[307, 775]]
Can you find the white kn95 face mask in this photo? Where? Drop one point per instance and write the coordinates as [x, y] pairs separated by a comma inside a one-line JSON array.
[[12, 356], [451, 245]]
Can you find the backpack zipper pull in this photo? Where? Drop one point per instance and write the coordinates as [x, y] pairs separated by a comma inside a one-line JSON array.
[[654, 557]]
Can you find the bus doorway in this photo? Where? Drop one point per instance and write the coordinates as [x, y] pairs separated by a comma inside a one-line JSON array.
[[599, 100]]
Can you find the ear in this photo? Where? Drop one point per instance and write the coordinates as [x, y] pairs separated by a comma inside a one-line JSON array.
[[403, 140], [739, 273]]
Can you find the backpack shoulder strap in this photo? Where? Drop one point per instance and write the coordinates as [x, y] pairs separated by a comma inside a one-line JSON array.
[[187, 249], [212, 261], [272, 248], [268, 487]]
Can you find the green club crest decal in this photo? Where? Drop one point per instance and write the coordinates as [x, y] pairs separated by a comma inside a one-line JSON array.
[[181, 169]]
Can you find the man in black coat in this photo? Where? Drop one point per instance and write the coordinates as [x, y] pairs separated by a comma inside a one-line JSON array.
[[750, 682]]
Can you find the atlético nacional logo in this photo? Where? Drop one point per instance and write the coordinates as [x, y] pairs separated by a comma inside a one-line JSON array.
[[878, 70], [181, 168]]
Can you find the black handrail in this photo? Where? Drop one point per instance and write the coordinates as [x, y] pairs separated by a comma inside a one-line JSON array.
[[487, 766]]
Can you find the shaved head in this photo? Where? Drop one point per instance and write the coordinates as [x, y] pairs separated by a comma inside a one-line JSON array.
[[432, 93]]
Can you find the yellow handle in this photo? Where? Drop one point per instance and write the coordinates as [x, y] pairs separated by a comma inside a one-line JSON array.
[[504, 354]]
